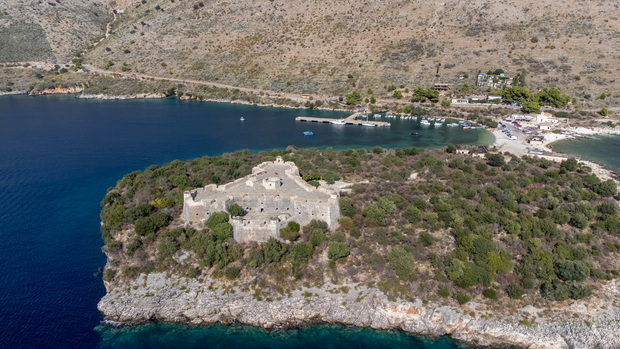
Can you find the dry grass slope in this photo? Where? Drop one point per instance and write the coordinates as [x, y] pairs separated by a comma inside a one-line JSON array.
[[314, 46], [51, 30]]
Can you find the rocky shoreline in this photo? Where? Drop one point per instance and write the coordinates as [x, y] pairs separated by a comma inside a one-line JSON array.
[[169, 298]]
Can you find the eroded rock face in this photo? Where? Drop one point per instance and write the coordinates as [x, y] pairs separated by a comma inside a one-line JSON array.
[[174, 299]]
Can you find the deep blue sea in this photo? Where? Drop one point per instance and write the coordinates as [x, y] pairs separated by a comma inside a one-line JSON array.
[[58, 155]]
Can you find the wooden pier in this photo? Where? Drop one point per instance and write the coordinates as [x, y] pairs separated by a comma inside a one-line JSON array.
[[350, 120]]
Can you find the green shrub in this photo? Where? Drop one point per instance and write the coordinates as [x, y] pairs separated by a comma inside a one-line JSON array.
[[402, 262], [316, 225], [495, 160], [192, 272], [215, 219], [490, 293], [273, 251], [426, 239], [290, 232], [112, 216], [462, 298], [301, 253], [109, 274], [346, 207], [412, 214], [160, 219], [578, 290], [222, 231], [317, 237], [337, 236], [443, 291], [514, 291], [166, 248], [235, 210], [232, 273], [144, 226], [337, 250], [572, 270]]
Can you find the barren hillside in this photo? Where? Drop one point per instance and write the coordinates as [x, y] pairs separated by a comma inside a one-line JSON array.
[[329, 46], [51, 30]]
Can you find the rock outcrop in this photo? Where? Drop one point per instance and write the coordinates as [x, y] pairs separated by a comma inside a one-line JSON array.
[[166, 298], [58, 90]]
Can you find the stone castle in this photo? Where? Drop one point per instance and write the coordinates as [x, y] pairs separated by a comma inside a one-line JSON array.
[[272, 196]]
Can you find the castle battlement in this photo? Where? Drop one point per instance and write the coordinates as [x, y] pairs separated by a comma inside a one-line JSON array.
[[272, 195]]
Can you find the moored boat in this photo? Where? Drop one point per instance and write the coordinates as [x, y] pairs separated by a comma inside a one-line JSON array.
[[368, 124], [308, 133], [338, 122]]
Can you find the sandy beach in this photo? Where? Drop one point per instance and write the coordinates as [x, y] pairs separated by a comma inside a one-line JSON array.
[[521, 147]]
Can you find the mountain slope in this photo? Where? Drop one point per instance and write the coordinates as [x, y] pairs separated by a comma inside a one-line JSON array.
[[329, 46], [50, 31]]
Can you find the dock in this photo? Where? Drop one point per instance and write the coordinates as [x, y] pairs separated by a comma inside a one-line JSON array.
[[350, 120]]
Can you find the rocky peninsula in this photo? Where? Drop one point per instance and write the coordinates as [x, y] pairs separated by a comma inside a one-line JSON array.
[[430, 245]]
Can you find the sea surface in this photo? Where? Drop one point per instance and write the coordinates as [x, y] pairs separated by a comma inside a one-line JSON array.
[[58, 155], [602, 149]]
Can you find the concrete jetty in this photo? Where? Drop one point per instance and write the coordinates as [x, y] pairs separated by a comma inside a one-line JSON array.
[[350, 120]]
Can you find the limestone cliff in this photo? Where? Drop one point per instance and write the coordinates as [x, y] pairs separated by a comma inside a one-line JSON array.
[[161, 297]]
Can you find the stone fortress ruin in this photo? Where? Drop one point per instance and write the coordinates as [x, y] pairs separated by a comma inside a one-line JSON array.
[[272, 196]]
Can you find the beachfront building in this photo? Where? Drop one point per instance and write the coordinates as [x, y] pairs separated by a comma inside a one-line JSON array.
[[545, 117], [537, 140]]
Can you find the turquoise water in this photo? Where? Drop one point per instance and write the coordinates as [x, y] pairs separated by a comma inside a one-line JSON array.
[[601, 149], [239, 336], [60, 154]]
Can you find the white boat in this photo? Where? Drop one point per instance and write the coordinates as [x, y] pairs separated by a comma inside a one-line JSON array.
[[242, 118], [425, 122], [338, 122], [368, 124], [452, 124], [377, 115]]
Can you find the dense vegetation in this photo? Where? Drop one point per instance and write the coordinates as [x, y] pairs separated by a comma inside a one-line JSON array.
[[429, 224]]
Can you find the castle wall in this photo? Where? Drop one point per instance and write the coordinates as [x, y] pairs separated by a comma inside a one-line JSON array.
[[259, 230], [193, 211], [266, 212]]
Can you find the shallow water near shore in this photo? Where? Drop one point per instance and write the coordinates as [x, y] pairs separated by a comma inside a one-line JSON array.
[[241, 336], [602, 149], [60, 154]]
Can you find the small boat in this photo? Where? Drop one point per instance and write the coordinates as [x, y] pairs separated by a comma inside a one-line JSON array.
[[377, 115], [414, 134], [368, 124], [452, 124], [425, 122], [338, 122], [242, 118], [308, 133]]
